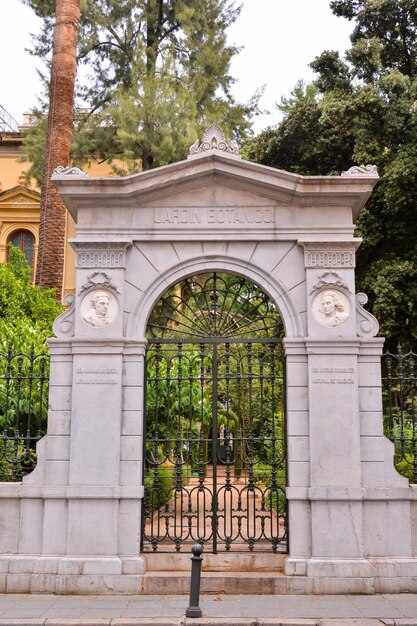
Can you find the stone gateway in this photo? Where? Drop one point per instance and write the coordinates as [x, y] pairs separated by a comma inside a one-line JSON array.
[[74, 525]]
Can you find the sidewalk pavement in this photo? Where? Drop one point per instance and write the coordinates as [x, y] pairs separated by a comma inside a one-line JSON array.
[[221, 610]]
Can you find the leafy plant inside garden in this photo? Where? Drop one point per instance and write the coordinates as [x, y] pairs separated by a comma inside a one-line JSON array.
[[26, 317], [399, 395]]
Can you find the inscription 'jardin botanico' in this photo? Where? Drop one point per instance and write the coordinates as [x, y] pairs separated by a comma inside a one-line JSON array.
[[229, 215]]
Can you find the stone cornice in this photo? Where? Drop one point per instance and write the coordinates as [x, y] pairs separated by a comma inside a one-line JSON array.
[[282, 187]]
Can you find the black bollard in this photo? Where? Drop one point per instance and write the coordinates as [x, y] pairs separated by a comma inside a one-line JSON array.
[[194, 609]]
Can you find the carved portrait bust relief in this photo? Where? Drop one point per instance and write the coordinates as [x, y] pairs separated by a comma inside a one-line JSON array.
[[331, 308], [99, 308]]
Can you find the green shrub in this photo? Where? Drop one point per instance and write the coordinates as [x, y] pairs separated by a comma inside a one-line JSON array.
[[160, 484], [274, 494], [26, 311], [26, 316]]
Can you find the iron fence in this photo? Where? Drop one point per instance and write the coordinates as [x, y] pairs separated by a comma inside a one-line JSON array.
[[24, 382], [400, 409]]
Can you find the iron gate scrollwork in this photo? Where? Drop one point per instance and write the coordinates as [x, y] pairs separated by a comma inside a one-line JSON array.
[[214, 453]]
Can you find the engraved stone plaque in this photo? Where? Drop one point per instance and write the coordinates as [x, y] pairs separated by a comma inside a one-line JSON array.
[[331, 308], [99, 308]]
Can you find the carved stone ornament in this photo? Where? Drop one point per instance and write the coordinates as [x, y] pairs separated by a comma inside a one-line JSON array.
[[329, 255], [330, 279], [99, 308], [101, 258], [366, 324], [94, 255], [21, 199], [213, 142], [362, 170], [331, 308], [63, 326], [99, 280], [68, 171]]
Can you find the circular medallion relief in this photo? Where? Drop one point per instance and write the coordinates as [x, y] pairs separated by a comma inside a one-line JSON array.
[[99, 308], [331, 308]]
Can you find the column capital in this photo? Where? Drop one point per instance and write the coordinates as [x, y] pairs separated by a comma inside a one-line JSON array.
[[330, 254], [96, 253]]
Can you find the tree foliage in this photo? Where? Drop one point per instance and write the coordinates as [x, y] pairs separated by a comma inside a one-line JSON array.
[[152, 74], [384, 35], [303, 143], [365, 111], [26, 311]]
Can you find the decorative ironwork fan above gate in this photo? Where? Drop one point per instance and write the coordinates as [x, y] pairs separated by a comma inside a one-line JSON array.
[[214, 305]]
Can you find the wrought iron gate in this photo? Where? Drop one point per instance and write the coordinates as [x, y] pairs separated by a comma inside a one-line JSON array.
[[214, 454]]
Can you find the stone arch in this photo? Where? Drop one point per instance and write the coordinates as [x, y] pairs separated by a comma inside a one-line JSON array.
[[9, 230], [223, 347], [293, 323]]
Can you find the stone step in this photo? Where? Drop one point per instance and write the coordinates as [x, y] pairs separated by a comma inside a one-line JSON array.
[[217, 583], [257, 583], [237, 562]]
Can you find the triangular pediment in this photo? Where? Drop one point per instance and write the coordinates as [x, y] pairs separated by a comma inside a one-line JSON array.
[[210, 175], [212, 193], [20, 195]]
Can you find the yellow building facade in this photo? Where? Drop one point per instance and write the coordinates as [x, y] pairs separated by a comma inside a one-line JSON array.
[[20, 204]]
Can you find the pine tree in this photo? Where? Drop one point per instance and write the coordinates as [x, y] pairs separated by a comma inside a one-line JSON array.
[[157, 74]]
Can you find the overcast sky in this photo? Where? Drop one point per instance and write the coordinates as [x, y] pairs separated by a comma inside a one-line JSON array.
[[279, 38]]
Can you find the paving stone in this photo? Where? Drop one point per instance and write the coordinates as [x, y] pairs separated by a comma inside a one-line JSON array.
[[113, 601], [287, 622], [126, 621], [64, 613], [376, 606], [101, 613], [408, 614], [21, 622], [355, 622], [6, 606], [77, 622], [406, 604], [208, 621], [151, 612], [334, 607], [259, 610], [23, 613]]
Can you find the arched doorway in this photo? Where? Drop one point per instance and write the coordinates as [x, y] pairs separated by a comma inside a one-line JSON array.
[[214, 452]]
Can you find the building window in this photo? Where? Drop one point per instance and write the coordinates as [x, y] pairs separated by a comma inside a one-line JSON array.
[[25, 241]]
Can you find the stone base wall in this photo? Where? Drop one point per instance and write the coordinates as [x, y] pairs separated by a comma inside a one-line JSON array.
[[61, 575], [39, 574], [25, 529]]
